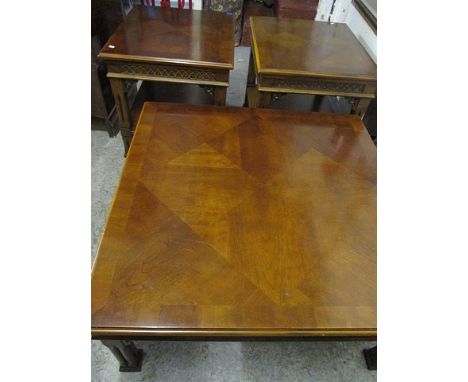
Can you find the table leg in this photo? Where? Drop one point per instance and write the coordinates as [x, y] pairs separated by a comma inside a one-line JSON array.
[[318, 99], [264, 99], [250, 80], [361, 106], [220, 95], [129, 357], [371, 358], [251, 72], [123, 111]]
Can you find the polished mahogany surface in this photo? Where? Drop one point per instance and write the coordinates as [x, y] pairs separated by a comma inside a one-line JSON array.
[[169, 35], [305, 47], [237, 221]]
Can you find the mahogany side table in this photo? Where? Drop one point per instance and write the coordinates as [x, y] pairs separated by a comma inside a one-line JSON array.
[[238, 223], [169, 45], [308, 57]]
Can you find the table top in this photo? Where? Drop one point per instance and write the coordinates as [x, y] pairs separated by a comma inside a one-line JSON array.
[[309, 48], [240, 222], [173, 36]]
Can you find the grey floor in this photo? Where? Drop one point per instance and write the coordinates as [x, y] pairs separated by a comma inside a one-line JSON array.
[[213, 361]]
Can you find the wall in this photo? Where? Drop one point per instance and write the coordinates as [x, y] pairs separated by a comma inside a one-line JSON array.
[[345, 12], [362, 31], [340, 12]]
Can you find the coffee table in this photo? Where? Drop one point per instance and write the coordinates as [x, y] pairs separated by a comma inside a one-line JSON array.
[[237, 223], [308, 57], [169, 45]]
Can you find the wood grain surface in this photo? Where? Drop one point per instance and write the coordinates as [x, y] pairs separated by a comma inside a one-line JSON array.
[[305, 47], [237, 221], [168, 35]]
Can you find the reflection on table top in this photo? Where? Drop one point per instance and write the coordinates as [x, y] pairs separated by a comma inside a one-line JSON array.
[[237, 221], [169, 35]]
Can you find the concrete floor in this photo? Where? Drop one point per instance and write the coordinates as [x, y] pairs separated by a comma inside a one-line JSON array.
[[213, 361]]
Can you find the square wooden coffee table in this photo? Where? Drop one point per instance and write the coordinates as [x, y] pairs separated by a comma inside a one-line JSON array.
[[236, 223], [169, 45], [308, 57]]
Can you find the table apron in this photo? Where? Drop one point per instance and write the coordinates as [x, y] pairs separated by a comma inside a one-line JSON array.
[[297, 338], [168, 73], [99, 333], [320, 86]]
